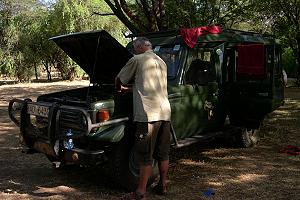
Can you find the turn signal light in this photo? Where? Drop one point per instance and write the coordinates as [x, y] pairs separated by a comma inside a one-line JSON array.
[[102, 115]]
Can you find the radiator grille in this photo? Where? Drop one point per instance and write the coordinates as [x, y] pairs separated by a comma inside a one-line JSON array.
[[74, 120]]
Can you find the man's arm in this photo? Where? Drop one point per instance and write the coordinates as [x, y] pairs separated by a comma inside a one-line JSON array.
[[118, 84], [120, 87], [126, 74]]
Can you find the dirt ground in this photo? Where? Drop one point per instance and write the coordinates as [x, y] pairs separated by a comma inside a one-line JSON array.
[[261, 172]]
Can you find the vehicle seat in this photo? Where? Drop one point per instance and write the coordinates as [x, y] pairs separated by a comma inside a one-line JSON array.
[[198, 72]]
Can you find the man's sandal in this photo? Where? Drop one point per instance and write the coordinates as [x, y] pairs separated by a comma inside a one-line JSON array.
[[134, 196], [160, 189]]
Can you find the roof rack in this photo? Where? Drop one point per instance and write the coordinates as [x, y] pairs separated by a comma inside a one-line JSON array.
[[176, 32], [154, 34], [249, 33]]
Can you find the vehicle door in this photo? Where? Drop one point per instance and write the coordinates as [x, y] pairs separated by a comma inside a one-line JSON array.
[[199, 88], [215, 103], [173, 55], [258, 85]]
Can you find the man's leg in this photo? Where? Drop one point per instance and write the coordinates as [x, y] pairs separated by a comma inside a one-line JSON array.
[[163, 172], [145, 173], [162, 155], [147, 145]]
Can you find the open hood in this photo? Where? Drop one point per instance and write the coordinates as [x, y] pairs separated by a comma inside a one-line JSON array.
[[96, 52]]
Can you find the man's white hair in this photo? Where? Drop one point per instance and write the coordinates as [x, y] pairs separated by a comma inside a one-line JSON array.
[[142, 41]]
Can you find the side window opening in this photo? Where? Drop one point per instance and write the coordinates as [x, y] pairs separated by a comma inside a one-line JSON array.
[[229, 64], [171, 56], [200, 70]]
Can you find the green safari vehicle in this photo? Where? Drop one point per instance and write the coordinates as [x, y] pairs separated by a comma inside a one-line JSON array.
[[220, 81]]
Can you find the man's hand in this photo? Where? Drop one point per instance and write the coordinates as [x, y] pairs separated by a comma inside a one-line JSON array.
[[120, 87], [125, 89]]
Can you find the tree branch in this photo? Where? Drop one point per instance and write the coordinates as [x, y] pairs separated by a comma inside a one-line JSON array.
[[162, 15], [104, 14], [155, 10], [132, 15], [116, 8], [287, 13], [152, 22]]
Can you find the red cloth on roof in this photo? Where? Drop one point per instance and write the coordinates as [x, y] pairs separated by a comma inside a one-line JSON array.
[[190, 35], [251, 60]]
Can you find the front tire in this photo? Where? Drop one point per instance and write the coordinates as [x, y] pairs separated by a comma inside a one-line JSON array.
[[124, 169]]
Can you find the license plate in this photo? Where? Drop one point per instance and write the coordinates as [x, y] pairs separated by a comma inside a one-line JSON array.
[[38, 110]]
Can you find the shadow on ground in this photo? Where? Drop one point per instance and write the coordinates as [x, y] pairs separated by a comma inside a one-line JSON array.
[[261, 172]]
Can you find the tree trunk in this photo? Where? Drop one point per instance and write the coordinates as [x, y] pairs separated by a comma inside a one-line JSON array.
[[46, 65], [71, 74], [119, 13], [298, 59], [163, 18], [35, 72]]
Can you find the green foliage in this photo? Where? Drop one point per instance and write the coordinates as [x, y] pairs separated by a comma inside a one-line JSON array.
[[7, 66], [180, 16], [282, 18], [74, 16], [289, 62], [180, 13], [27, 25]]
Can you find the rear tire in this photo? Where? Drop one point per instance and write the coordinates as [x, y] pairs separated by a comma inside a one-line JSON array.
[[247, 137], [124, 169]]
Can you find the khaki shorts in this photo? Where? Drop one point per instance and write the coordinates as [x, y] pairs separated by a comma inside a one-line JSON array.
[[152, 141]]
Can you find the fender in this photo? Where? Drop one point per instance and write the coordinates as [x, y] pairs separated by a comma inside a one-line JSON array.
[[111, 134]]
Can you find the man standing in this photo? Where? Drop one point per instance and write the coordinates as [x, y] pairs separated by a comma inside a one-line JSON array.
[[151, 111]]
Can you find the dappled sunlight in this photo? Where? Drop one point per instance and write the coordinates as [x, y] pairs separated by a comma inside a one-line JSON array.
[[291, 102], [219, 152], [7, 195], [32, 90], [191, 162], [3, 104], [13, 182], [250, 178], [10, 148], [215, 183], [55, 190], [261, 172], [26, 176], [5, 127], [224, 181], [284, 118], [282, 112], [230, 158], [293, 169]]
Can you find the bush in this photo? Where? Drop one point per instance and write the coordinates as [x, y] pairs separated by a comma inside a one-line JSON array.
[[289, 62]]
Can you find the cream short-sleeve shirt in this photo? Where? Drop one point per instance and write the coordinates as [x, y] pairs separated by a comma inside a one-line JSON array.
[[150, 95]]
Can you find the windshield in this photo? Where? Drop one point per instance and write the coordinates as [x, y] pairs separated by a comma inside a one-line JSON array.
[[171, 56]]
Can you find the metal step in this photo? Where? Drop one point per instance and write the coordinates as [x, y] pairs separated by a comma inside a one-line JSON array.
[[196, 138]]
